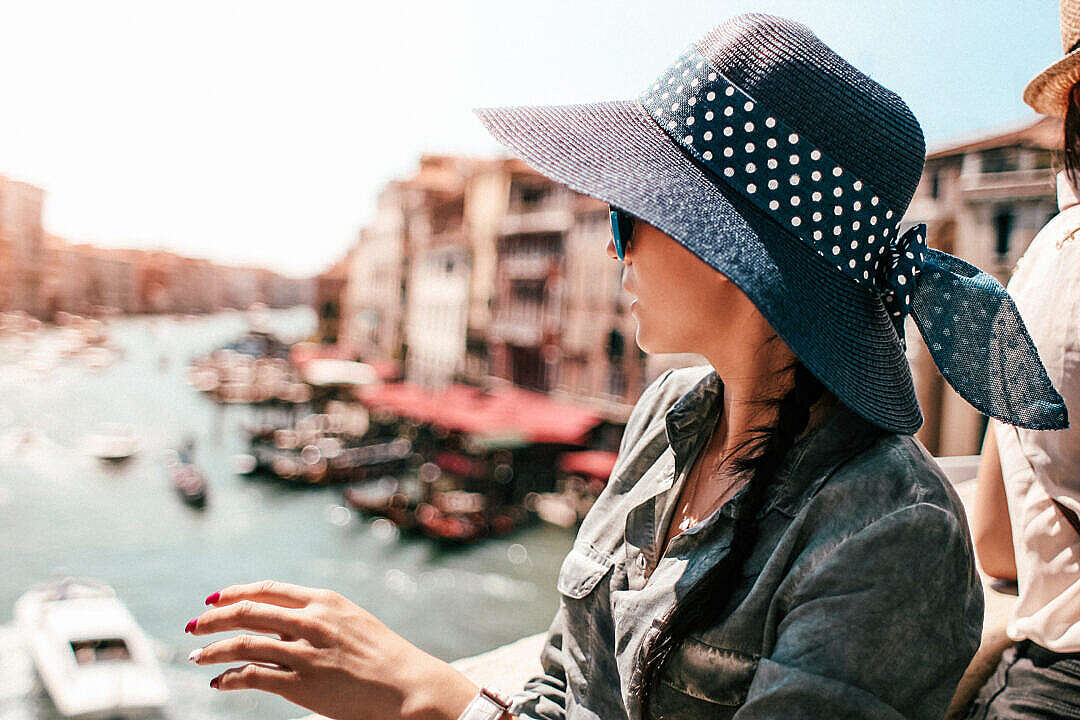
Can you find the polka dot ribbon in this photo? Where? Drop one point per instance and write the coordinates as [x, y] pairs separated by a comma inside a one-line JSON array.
[[899, 270], [853, 229]]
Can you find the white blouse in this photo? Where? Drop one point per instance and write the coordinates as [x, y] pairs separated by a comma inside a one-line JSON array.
[[1041, 469]]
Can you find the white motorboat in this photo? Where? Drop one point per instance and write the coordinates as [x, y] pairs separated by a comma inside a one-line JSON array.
[[244, 463], [93, 658], [113, 441]]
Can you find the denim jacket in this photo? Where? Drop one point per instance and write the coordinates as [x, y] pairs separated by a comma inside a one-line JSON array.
[[860, 598]]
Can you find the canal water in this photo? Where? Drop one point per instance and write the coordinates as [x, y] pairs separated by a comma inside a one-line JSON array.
[[64, 512]]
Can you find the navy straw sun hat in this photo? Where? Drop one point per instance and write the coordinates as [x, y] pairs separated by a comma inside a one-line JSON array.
[[785, 168]]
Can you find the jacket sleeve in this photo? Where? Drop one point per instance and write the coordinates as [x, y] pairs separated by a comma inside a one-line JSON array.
[[880, 625], [544, 696]]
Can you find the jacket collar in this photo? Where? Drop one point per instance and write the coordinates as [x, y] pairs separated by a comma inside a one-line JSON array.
[[840, 436]]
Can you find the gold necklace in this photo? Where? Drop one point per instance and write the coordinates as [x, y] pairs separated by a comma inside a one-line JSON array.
[[688, 520]]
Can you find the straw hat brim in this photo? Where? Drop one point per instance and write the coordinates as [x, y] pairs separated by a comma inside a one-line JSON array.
[[1048, 92], [615, 152]]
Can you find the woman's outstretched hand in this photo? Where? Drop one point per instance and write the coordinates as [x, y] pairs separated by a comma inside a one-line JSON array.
[[331, 656]]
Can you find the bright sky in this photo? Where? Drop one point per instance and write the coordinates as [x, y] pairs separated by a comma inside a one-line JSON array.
[[260, 132]]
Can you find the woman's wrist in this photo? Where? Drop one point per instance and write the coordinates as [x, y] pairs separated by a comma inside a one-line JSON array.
[[437, 691]]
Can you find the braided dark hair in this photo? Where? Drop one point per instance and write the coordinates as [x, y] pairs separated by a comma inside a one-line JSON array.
[[1071, 145], [759, 457]]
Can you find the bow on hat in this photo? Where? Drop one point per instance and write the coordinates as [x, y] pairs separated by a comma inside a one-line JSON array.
[[973, 331], [899, 273], [970, 323]]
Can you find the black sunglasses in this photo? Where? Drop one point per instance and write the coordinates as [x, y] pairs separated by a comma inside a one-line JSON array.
[[622, 229]]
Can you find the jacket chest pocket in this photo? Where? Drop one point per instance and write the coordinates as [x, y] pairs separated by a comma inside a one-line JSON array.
[[581, 571], [588, 631], [700, 678]]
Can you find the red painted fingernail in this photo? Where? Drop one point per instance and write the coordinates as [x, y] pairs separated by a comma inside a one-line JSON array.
[[215, 683], [191, 625], [213, 598]]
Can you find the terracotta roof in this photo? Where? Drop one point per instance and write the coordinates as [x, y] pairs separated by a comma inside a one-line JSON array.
[[1044, 134]]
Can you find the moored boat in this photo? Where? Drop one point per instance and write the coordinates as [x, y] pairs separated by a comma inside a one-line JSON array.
[[113, 442], [91, 655], [459, 516], [386, 497], [188, 481], [580, 478]]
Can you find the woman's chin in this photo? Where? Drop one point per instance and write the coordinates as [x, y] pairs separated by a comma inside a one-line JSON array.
[[642, 341], [647, 338], [653, 345]]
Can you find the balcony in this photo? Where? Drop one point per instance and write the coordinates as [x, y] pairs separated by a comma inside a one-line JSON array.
[[528, 266], [1009, 185], [517, 328], [549, 217]]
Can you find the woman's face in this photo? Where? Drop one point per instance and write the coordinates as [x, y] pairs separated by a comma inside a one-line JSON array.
[[680, 303]]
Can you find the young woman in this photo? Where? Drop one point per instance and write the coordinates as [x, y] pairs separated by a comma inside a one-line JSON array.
[[772, 541], [1026, 521]]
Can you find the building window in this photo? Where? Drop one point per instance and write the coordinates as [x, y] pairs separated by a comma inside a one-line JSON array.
[[527, 196], [999, 160], [1003, 224]]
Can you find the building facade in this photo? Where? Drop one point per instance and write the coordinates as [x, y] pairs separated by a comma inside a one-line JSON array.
[[23, 250]]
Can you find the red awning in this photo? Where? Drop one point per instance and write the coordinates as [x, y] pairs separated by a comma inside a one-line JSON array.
[[386, 369], [402, 399], [509, 412], [302, 352], [594, 463]]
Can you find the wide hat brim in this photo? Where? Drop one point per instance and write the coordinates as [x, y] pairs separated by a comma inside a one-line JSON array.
[[1048, 92], [615, 152]]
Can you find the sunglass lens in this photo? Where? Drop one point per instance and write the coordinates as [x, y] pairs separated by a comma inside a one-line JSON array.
[[622, 227]]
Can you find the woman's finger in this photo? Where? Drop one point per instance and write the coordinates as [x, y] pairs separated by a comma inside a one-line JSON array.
[[259, 617], [265, 591], [256, 676], [249, 648]]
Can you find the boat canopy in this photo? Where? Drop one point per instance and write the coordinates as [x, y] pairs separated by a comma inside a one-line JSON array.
[[593, 463], [499, 414]]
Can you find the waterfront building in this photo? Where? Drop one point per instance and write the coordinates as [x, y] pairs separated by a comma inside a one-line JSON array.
[[410, 275], [438, 271], [23, 250], [329, 288], [279, 291], [110, 279], [241, 287], [44, 274], [372, 303], [531, 263], [64, 278], [86, 280], [983, 199]]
